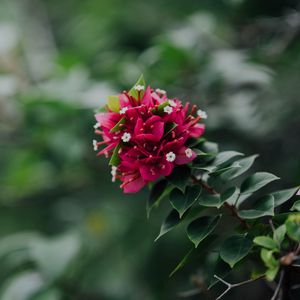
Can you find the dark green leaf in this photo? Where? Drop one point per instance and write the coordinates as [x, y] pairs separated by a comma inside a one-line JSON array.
[[281, 197], [245, 164], [180, 177], [263, 207], [211, 200], [182, 201], [157, 193], [256, 182], [170, 222], [224, 157], [231, 195], [200, 228], [182, 263], [235, 248]]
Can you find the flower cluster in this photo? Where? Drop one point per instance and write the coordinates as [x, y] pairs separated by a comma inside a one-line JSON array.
[[145, 134]]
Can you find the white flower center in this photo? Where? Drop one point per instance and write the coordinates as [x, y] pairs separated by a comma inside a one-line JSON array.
[[172, 103], [188, 152], [159, 91], [123, 110], [126, 137], [95, 145], [170, 156], [202, 114], [139, 87], [168, 109]]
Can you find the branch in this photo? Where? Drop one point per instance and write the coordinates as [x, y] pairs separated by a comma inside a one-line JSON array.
[[230, 286], [278, 286]]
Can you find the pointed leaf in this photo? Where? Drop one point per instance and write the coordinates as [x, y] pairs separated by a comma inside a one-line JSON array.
[[278, 235], [231, 195], [211, 200], [235, 248], [157, 193], [245, 164], [170, 222], [281, 197], [182, 201], [115, 159], [180, 177], [113, 103], [263, 207], [256, 182], [226, 156], [296, 205], [117, 126], [200, 228], [133, 92], [293, 226]]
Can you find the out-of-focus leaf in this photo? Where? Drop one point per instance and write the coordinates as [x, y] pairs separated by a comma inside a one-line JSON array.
[[296, 205], [113, 103], [281, 197], [180, 177], [293, 226], [265, 241], [170, 222]]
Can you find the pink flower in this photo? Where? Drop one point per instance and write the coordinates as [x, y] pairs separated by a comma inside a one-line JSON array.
[[146, 136]]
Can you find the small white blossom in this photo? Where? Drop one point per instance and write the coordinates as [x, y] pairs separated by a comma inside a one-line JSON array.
[[123, 110], [159, 91], [139, 87], [95, 145], [168, 109], [170, 156], [188, 152], [113, 173], [126, 137], [97, 125], [202, 114], [172, 103]]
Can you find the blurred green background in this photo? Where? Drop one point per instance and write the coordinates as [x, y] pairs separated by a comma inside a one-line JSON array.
[[67, 232]]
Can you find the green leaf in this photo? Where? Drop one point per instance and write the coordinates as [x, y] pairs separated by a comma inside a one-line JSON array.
[[281, 197], [113, 103], [180, 177], [263, 207], [224, 157], [256, 182], [265, 241], [231, 195], [211, 200], [115, 159], [245, 164], [157, 193], [133, 92], [293, 227], [278, 235], [271, 273], [218, 171], [235, 248], [182, 201], [268, 258], [200, 228], [182, 263], [117, 126], [296, 206], [170, 222]]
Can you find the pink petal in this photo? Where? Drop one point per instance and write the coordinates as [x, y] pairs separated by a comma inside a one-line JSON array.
[[149, 172], [197, 130], [182, 159], [134, 186]]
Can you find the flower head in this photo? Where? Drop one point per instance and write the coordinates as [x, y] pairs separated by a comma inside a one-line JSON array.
[[146, 134]]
